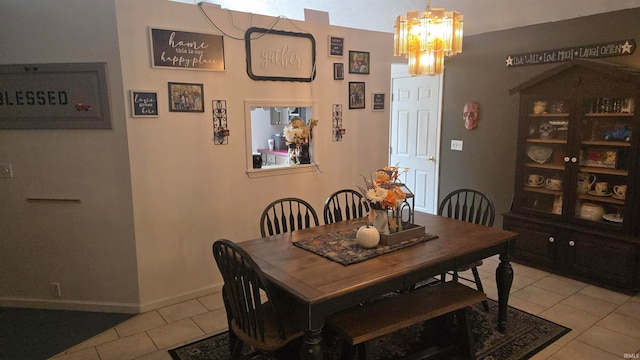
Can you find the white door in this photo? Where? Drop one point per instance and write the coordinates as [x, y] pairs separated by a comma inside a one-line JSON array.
[[415, 133]]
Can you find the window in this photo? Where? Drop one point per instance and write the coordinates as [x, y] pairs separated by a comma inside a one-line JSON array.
[[265, 122]]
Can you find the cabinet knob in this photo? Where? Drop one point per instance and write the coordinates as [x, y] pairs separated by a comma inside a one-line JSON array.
[[566, 159], [572, 243], [574, 159], [551, 239]]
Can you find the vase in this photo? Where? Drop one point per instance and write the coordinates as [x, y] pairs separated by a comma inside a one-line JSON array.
[[293, 152], [303, 154], [381, 221]]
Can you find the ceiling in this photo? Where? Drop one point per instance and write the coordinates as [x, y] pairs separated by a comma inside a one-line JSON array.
[[479, 16]]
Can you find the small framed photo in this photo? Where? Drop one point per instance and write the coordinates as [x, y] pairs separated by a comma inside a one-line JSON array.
[[356, 95], [358, 62], [336, 46], [377, 101], [338, 71], [185, 97], [144, 103]]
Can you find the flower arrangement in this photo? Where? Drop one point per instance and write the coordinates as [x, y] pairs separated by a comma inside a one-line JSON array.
[[382, 190], [298, 132]]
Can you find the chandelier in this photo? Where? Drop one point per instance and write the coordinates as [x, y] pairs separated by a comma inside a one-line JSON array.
[[426, 37]]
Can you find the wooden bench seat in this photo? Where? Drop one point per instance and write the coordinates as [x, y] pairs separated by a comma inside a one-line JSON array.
[[362, 323]]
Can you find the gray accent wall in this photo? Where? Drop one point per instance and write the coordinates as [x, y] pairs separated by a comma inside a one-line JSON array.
[[487, 162]]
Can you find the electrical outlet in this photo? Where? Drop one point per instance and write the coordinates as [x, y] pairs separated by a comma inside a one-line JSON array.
[[55, 289], [456, 145], [6, 171]]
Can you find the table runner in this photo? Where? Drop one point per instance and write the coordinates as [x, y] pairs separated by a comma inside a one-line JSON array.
[[342, 248]]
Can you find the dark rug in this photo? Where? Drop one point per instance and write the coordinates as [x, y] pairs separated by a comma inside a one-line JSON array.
[[342, 248], [38, 334], [526, 335]]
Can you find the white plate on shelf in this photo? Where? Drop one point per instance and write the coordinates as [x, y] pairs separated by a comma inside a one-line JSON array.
[[592, 192], [618, 197], [534, 186], [612, 217]]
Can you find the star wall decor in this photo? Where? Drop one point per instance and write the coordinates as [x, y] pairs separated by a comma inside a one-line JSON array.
[[593, 51]]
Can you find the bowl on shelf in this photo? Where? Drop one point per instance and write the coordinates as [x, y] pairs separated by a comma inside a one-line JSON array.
[[539, 153]]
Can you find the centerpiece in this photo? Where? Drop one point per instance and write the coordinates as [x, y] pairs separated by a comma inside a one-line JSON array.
[[386, 195], [298, 136]]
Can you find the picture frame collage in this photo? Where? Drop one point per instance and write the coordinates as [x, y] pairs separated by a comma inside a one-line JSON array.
[[358, 63]]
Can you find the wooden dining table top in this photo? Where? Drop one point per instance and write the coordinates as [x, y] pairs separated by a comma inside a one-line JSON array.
[[314, 279]]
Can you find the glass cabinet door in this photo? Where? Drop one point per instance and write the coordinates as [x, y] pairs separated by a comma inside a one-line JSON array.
[[545, 173], [604, 142]]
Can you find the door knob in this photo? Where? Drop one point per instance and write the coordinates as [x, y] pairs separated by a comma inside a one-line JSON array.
[[431, 158]]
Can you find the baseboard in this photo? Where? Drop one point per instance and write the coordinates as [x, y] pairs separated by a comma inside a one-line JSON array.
[[72, 305], [156, 304], [111, 307]]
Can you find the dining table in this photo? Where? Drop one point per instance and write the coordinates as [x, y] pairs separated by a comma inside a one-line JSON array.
[[317, 286]]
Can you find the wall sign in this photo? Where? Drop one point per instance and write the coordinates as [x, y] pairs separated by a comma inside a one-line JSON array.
[[144, 103], [594, 51], [54, 96], [280, 55], [378, 102], [336, 46], [186, 50]]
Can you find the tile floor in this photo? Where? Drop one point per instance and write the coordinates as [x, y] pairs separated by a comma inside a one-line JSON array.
[[605, 324]]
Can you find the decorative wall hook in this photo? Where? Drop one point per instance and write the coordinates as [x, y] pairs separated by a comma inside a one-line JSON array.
[[220, 130], [336, 123]]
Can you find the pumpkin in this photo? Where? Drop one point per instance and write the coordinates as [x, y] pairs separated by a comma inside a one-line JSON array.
[[367, 236]]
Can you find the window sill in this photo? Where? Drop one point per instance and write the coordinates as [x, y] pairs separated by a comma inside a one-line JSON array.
[[282, 170]]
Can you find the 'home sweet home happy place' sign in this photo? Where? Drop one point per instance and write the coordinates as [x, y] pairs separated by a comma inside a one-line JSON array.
[[186, 50]]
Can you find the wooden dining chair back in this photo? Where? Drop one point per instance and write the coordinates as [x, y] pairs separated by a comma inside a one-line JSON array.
[[287, 214], [468, 205], [345, 204], [474, 207], [264, 325]]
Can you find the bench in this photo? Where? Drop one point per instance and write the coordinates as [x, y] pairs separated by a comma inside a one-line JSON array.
[[359, 324]]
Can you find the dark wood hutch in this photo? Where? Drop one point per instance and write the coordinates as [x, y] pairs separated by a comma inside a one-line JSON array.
[[578, 150]]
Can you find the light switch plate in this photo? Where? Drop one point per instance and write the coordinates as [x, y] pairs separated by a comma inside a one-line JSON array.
[[456, 145], [5, 171]]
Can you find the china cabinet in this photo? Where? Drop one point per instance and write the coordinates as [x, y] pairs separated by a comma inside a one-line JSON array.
[[576, 201]]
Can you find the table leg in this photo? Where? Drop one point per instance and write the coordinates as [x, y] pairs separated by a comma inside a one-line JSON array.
[[313, 346], [504, 279]]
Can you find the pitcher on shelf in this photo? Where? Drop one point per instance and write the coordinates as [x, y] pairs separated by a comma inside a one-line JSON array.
[[585, 182]]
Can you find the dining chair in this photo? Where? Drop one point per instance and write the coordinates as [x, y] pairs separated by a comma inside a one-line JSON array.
[[345, 204], [254, 314], [474, 207], [287, 214]]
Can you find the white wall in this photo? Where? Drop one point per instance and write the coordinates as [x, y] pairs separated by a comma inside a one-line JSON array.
[[180, 192], [88, 248]]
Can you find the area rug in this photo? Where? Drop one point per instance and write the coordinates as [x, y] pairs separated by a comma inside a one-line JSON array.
[[342, 248], [39, 334], [525, 336]]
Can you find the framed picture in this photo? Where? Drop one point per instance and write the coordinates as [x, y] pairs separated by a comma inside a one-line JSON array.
[[184, 97], [378, 102], [144, 103], [336, 46], [356, 95], [338, 71], [358, 62], [605, 158]]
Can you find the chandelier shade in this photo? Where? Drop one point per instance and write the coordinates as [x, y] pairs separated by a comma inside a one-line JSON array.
[[426, 37]]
